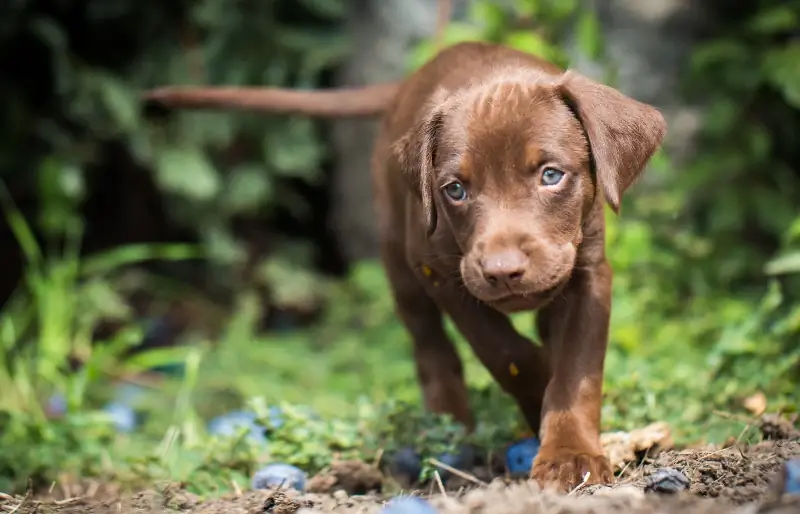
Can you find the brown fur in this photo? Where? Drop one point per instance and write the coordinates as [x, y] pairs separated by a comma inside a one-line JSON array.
[[495, 119]]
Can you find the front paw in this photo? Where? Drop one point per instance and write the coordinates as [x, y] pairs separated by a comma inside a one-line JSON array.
[[566, 469]]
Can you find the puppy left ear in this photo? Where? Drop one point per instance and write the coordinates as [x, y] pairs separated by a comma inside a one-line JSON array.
[[416, 152], [623, 133]]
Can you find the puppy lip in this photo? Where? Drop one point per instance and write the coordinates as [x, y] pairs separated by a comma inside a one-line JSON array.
[[537, 296]]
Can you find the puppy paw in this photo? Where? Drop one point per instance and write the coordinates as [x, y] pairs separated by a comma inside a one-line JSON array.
[[564, 470]]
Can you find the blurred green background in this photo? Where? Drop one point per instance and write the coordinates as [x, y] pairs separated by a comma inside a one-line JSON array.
[[222, 244]]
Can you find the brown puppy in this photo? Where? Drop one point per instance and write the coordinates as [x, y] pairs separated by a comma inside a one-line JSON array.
[[490, 172]]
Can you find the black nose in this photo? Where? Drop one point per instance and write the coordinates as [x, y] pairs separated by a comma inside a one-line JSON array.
[[505, 268]]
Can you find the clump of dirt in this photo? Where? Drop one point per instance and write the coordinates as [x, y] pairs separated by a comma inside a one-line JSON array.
[[351, 476], [775, 427]]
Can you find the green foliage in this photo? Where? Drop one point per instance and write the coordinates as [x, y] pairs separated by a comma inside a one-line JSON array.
[[706, 261]]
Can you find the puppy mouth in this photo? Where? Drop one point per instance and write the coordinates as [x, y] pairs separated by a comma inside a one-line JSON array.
[[515, 300]]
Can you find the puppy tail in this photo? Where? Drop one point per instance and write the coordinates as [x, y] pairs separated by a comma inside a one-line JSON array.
[[366, 101], [442, 20]]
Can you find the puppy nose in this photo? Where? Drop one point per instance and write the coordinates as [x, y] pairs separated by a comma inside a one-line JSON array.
[[504, 268]]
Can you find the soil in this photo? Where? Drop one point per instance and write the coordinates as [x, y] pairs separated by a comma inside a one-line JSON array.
[[732, 480]]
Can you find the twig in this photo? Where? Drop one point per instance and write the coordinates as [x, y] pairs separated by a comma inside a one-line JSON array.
[[67, 501], [586, 477], [736, 417], [21, 502], [439, 482], [378, 458], [456, 472]]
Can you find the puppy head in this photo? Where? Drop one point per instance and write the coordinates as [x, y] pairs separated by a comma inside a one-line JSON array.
[[514, 166]]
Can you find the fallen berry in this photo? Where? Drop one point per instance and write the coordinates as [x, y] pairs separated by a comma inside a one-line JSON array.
[[791, 482], [122, 416], [666, 481], [232, 423], [56, 406], [461, 460], [408, 505], [283, 476], [405, 464], [275, 417], [128, 393], [520, 456]]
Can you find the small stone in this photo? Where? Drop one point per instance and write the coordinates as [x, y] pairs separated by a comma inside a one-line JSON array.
[[408, 505], [667, 481], [340, 494], [791, 473], [280, 475]]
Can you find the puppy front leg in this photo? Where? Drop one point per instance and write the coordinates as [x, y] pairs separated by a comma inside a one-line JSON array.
[[575, 330], [439, 369], [520, 367]]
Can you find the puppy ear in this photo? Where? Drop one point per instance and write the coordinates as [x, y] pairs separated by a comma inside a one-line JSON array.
[[416, 152], [623, 133]]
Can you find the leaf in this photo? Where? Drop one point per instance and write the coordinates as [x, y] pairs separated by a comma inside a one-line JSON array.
[[589, 34], [530, 42], [780, 18], [782, 69], [249, 187], [333, 9], [786, 264], [295, 151], [188, 173], [119, 100], [115, 258]]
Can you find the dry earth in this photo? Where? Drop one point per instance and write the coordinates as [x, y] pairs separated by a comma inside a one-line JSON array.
[[724, 480]]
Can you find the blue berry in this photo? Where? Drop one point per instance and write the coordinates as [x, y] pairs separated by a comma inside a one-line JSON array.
[[232, 423], [667, 480], [122, 416], [791, 483], [284, 476], [56, 406], [461, 460], [127, 393], [406, 464], [520, 456], [275, 417], [408, 505]]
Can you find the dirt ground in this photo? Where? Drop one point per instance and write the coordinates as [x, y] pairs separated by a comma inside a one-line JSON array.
[[731, 480]]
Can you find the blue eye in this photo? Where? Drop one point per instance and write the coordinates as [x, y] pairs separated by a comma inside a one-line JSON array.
[[551, 177], [456, 191]]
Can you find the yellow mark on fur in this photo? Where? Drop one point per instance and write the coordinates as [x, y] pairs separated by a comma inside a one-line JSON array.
[[435, 283], [426, 270], [513, 369]]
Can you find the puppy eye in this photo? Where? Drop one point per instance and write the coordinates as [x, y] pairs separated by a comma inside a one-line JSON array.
[[455, 191], [551, 176]]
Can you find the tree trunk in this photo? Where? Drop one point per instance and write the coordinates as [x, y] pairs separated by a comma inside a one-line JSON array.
[[383, 33]]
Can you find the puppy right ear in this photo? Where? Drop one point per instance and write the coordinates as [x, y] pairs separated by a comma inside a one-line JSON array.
[[416, 152]]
